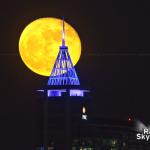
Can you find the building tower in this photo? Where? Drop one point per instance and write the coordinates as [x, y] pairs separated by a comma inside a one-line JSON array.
[[63, 88], [63, 72]]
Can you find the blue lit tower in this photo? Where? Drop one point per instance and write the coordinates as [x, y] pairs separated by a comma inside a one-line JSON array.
[[63, 74], [63, 86]]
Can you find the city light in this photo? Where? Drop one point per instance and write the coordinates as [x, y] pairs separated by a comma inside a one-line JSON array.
[[83, 110], [84, 117]]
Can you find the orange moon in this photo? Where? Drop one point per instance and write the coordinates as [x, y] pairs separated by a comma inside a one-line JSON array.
[[39, 44]]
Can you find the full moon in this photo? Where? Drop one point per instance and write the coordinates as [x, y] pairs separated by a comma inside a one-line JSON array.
[[39, 44]]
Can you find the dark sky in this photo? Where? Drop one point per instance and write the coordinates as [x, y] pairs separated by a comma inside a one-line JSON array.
[[115, 61]]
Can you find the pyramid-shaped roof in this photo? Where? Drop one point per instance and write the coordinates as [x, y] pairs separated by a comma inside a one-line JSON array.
[[63, 72]]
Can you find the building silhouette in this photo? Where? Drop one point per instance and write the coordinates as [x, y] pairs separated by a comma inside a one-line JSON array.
[[63, 100]]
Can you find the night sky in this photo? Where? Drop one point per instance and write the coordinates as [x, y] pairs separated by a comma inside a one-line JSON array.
[[115, 61]]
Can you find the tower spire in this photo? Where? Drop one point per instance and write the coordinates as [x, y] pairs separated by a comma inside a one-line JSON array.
[[63, 33], [63, 72]]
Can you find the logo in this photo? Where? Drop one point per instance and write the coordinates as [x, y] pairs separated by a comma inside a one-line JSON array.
[[143, 131], [145, 135]]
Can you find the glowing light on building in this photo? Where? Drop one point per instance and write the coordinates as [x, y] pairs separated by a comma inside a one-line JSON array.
[[55, 93], [78, 92], [83, 110], [84, 117], [60, 92]]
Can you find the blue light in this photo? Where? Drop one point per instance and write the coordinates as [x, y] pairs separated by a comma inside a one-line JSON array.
[[78, 92], [55, 93], [71, 93], [63, 72]]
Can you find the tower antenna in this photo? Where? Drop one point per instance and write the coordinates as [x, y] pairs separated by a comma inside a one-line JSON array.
[[63, 33]]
